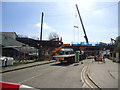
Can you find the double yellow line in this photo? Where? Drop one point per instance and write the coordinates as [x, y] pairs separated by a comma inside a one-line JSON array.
[[88, 83]]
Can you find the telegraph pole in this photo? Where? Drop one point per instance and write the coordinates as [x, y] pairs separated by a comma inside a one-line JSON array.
[[41, 26], [82, 25], [40, 44]]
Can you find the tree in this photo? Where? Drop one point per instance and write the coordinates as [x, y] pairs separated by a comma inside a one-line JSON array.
[[53, 35]]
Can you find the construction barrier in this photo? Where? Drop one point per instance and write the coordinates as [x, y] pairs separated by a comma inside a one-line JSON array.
[[14, 86], [99, 58]]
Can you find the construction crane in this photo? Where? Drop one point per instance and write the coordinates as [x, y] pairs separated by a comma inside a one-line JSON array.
[[82, 26]]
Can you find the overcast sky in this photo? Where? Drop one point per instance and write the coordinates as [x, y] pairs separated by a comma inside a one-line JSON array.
[[99, 18]]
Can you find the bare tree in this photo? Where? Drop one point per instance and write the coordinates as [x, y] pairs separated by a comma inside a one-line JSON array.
[[53, 35]]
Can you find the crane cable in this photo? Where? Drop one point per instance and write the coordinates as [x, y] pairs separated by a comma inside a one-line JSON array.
[[74, 28], [75, 37]]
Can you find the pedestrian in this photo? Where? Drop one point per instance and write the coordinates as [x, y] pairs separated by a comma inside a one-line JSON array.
[[104, 58], [6, 62], [95, 58]]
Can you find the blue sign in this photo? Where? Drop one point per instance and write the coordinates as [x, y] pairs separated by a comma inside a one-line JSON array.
[[86, 44]]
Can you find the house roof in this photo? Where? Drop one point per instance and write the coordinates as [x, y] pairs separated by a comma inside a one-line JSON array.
[[8, 32]]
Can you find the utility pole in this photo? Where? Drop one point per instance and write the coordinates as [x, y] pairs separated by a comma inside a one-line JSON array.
[[41, 26], [40, 44], [82, 25]]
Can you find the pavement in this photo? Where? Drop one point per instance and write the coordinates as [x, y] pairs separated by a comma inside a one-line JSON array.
[[104, 75], [23, 66]]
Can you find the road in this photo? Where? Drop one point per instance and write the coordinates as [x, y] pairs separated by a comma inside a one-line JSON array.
[[53, 75]]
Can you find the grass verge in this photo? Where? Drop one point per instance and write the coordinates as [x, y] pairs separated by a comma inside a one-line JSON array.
[[25, 62]]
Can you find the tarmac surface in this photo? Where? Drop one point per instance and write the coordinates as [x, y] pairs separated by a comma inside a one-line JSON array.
[[23, 66], [51, 74]]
